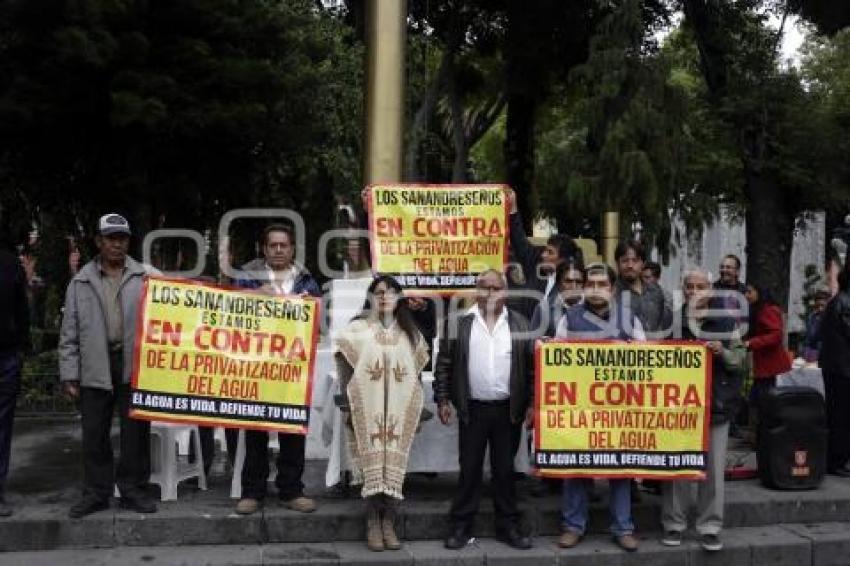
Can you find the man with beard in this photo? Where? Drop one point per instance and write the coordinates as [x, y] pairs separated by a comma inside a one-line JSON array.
[[599, 317], [645, 300]]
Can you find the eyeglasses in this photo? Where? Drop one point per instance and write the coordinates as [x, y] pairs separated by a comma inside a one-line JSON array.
[[387, 293]]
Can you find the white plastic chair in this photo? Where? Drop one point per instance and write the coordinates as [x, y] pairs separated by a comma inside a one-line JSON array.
[[166, 470], [239, 463]]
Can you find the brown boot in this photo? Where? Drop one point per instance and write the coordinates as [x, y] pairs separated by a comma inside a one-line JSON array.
[[388, 528], [374, 536]]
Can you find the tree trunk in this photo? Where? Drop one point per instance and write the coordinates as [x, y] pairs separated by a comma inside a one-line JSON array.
[[519, 152], [521, 86], [419, 125], [770, 235], [770, 220], [458, 133]]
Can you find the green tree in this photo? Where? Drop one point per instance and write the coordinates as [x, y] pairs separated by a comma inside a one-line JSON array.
[[777, 129], [175, 111]]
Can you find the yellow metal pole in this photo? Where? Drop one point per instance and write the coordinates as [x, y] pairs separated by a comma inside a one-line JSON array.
[[610, 236], [386, 29]]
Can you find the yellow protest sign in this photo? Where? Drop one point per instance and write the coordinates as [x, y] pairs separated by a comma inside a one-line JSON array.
[[436, 239], [219, 357], [611, 409]]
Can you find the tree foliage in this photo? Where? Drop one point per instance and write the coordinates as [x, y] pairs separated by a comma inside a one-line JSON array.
[[175, 110]]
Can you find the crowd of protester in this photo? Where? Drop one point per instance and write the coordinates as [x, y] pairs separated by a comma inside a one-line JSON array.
[[483, 374]]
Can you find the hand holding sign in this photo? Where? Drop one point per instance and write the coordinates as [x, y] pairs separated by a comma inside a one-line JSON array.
[[512, 208]]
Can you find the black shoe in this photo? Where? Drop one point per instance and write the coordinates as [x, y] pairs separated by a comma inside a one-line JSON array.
[[458, 539], [711, 543], [512, 537], [137, 502], [87, 505]]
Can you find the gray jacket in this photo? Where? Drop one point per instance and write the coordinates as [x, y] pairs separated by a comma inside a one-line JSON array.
[[83, 348]]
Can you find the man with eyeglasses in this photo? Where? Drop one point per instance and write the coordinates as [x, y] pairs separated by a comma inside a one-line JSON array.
[[485, 369], [276, 273]]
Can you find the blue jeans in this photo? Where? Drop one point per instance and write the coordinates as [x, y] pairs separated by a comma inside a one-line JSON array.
[[574, 506]]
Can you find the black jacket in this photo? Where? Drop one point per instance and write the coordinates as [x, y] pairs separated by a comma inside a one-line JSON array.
[[834, 356], [14, 308], [450, 373], [727, 368]]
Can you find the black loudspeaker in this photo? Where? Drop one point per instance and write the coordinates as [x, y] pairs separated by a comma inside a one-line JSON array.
[[792, 437]]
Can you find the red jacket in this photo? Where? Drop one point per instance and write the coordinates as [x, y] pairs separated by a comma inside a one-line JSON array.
[[769, 357]]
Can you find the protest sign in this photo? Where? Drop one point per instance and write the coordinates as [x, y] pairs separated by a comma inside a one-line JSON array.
[[219, 357], [611, 409], [436, 239]]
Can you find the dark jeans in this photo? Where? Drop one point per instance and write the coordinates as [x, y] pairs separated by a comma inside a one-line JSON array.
[[207, 436], [97, 407], [10, 385], [837, 389], [489, 424], [290, 465], [761, 387]]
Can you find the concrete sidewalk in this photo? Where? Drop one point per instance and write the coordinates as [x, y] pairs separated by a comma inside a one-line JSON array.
[[46, 472]]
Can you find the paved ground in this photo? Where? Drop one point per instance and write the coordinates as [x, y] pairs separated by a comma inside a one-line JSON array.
[[763, 526]]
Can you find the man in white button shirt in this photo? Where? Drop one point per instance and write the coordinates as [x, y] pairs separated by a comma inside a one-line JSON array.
[[484, 368]]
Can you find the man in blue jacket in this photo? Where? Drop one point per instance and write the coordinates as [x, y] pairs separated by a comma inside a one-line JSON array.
[[276, 273]]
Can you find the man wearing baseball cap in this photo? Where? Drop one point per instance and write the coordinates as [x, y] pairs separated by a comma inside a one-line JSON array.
[[95, 353]]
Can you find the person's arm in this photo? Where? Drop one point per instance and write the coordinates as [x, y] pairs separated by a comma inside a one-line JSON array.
[[312, 288], [771, 319], [526, 254], [528, 352], [443, 370], [69, 343], [344, 372], [733, 355], [22, 310], [537, 319]]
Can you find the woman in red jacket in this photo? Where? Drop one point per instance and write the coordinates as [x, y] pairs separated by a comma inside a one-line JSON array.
[[764, 340]]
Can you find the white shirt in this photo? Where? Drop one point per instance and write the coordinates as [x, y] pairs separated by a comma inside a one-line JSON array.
[[550, 283], [282, 281], [489, 361]]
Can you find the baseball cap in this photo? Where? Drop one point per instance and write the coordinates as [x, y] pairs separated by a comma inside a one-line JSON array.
[[113, 224]]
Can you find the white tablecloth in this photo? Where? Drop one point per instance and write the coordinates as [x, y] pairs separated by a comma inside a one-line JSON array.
[[434, 447]]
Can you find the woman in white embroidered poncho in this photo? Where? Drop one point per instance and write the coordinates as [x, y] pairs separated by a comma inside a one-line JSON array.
[[379, 358]]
